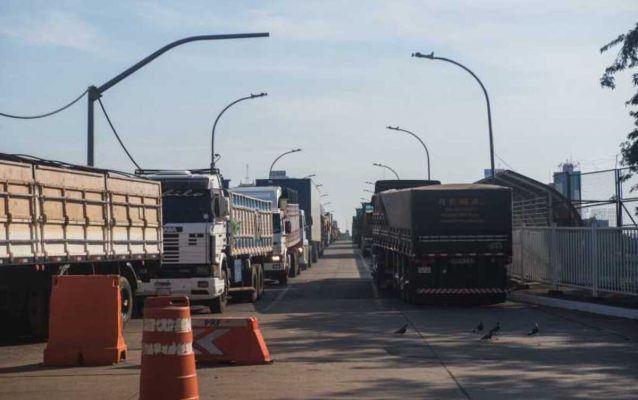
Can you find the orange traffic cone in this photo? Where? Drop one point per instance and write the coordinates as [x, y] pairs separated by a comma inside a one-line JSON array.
[[168, 362]]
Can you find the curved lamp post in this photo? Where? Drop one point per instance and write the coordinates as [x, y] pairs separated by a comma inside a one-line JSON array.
[[427, 153], [212, 137], [95, 92], [487, 98], [385, 166], [280, 156]]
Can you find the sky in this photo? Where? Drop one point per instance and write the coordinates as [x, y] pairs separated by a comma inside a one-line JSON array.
[[336, 73]]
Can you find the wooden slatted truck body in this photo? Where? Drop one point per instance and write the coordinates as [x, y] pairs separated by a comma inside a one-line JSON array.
[[443, 243], [58, 218]]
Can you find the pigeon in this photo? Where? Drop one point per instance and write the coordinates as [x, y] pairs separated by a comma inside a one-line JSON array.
[[479, 328], [401, 330], [496, 328], [487, 336], [534, 330]]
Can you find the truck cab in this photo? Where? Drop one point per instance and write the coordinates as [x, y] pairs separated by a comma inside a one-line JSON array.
[[195, 235]]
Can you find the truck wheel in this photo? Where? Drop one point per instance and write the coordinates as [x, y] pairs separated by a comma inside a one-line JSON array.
[[38, 311], [260, 279], [292, 267], [127, 300], [255, 284], [295, 262], [218, 304], [283, 278]]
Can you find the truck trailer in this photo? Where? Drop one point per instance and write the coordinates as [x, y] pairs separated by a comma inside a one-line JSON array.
[[287, 240], [309, 202], [58, 218], [215, 242], [443, 243]]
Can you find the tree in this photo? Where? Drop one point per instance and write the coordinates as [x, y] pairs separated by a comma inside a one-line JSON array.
[[627, 58]]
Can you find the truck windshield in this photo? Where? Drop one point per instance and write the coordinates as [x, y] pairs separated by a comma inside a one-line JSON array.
[[276, 223], [186, 205]]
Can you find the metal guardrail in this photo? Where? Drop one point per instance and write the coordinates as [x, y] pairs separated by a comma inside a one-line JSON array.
[[598, 259]]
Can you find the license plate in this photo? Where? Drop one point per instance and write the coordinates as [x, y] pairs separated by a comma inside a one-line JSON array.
[[424, 270], [163, 292], [162, 284]]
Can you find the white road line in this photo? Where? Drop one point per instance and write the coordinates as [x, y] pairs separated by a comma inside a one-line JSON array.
[[375, 290], [279, 297]]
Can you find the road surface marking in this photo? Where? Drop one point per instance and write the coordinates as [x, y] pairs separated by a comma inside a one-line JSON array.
[[279, 297]]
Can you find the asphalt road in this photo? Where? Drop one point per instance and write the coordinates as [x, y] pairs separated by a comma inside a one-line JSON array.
[[330, 334]]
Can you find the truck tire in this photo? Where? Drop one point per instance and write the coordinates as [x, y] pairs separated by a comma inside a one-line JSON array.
[[260, 279], [38, 311], [254, 282], [283, 278], [292, 265], [127, 299], [218, 304]]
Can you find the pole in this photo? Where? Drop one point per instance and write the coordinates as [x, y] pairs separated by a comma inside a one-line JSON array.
[[427, 153], [387, 167], [252, 96], [123, 75], [487, 99], [277, 159]]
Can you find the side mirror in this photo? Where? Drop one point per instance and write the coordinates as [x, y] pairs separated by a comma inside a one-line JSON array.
[[288, 226]]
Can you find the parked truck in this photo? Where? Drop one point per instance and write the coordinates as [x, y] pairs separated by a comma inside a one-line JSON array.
[[287, 240], [215, 241], [443, 243], [309, 202], [57, 218]]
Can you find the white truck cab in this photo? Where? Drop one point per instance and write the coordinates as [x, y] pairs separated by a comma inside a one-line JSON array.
[[195, 235]]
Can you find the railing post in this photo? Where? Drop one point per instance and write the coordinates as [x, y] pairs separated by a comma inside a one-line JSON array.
[[594, 261], [553, 267]]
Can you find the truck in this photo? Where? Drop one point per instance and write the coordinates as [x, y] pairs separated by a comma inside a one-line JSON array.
[[287, 239], [309, 202], [366, 231], [58, 218], [443, 243], [215, 241]]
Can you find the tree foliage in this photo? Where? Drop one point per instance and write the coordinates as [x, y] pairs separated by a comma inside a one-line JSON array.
[[626, 58]]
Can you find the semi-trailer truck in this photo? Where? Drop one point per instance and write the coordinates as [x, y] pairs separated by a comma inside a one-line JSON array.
[[215, 242], [443, 243], [287, 240], [309, 202], [57, 218]]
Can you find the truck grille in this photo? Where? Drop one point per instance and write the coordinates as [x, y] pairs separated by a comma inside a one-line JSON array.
[[184, 248]]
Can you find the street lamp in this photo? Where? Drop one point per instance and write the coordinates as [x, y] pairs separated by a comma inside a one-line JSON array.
[[427, 153], [487, 98], [277, 159], [212, 136], [309, 176], [94, 93], [385, 166]]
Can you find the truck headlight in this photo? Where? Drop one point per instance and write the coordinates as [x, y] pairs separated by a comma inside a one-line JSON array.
[[275, 258], [300, 250]]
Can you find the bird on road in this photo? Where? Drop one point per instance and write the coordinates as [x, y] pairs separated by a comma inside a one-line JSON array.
[[534, 330], [401, 330], [487, 336], [479, 328], [496, 328]]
